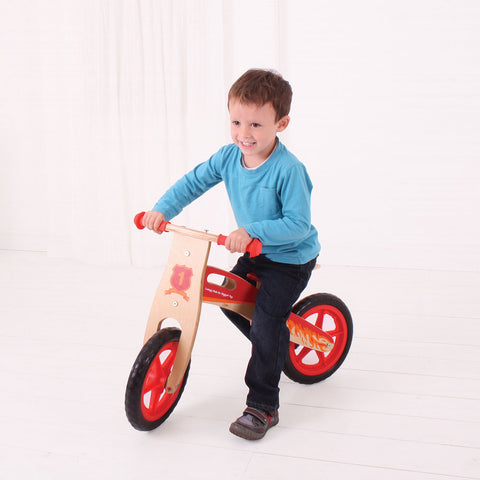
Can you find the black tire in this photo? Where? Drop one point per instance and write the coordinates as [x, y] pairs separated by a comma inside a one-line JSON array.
[[147, 405], [328, 312]]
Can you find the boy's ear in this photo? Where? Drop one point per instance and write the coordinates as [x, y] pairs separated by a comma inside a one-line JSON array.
[[282, 124]]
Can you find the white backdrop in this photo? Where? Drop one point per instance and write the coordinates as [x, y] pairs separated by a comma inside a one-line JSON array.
[[103, 104]]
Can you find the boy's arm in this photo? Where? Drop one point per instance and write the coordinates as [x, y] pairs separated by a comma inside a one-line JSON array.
[[189, 187]]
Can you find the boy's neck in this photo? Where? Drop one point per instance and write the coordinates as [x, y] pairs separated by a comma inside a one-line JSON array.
[[252, 164]]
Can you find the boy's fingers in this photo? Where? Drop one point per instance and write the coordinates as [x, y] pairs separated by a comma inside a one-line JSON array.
[[157, 224], [152, 221], [235, 246]]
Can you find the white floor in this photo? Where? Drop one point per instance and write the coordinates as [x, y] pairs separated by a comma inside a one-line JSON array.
[[405, 405]]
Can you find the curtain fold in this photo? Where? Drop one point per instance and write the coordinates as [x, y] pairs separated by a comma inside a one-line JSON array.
[[144, 92]]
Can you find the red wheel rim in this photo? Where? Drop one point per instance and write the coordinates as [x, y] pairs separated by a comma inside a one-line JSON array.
[[155, 401], [312, 362]]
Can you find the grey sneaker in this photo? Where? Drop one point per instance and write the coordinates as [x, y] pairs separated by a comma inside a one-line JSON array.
[[254, 423]]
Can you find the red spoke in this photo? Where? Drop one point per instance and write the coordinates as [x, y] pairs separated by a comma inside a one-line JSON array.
[[152, 378], [321, 358], [155, 395], [335, 332], [168, 363], [320, 318], [303, 353]]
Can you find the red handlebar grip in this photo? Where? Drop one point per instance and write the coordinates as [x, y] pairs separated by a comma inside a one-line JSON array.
[[254, 248], [138, 220]]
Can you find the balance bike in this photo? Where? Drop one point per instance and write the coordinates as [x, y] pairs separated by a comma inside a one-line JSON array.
[[320, 326]]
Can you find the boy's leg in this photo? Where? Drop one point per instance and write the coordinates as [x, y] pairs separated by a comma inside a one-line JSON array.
[[281, 285]]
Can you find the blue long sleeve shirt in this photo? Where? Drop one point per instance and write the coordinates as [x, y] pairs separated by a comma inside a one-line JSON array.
[[272, 202]]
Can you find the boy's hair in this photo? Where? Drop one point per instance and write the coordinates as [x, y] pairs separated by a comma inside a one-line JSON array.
[[263, 86]]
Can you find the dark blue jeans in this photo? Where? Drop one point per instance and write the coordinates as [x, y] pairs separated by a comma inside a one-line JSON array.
[[281, 285]]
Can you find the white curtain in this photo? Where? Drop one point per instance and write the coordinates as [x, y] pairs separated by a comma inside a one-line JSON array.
[[144, 102], [103, 104]]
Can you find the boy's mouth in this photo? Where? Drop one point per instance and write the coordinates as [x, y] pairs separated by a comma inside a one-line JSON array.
[[247, 144]]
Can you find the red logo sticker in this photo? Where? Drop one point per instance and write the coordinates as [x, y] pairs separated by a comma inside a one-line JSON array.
[[180, 280]]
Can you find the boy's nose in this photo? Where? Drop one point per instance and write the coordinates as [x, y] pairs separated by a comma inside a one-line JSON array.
[[244, 132]]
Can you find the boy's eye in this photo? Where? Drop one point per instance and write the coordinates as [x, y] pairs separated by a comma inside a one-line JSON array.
[[253, 124]]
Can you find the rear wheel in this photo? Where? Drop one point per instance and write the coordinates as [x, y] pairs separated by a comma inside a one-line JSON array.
[[329, 313], [147, 404]]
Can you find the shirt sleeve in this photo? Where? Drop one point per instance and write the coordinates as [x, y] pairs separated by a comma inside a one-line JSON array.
[[295, 221], [191, 186]]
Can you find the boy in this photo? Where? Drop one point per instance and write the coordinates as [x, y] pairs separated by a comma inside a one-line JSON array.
[[269, 190]]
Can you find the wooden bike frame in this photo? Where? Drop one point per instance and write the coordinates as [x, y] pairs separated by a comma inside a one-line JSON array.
[[188, 281]]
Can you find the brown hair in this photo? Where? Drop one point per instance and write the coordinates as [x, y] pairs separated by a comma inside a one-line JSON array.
[[263, 86]]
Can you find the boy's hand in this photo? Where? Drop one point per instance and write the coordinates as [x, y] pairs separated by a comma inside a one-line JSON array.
[[238, 240], [152, 220]]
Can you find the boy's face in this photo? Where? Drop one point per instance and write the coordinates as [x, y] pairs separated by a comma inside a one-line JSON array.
[[254, 130]]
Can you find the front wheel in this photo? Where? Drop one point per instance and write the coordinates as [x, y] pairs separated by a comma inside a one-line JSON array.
[[147, 404], [329, 313]]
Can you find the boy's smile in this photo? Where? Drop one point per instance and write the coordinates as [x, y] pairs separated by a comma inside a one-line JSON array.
[[254, 130]]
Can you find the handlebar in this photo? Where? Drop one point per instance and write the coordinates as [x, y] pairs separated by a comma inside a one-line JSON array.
[[254, 248]]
